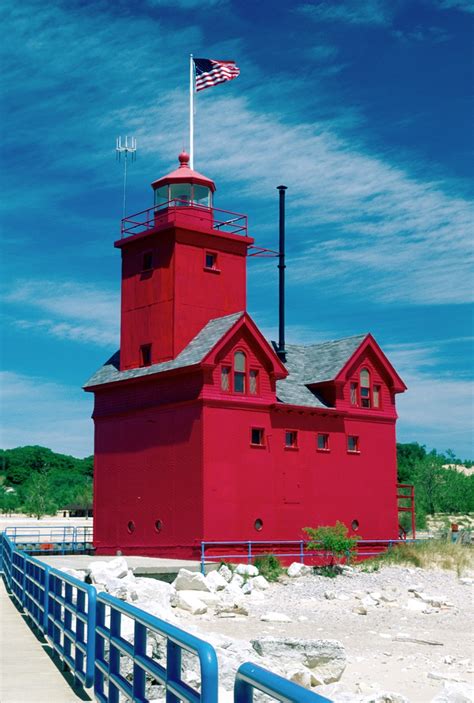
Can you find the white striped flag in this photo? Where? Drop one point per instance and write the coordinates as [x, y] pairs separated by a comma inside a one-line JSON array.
[[210, 72]]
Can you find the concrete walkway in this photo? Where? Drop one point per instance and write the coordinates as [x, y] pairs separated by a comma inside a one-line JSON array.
[[27, 672]]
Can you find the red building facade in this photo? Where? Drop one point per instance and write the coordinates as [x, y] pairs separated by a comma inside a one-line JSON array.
[[202, 433]]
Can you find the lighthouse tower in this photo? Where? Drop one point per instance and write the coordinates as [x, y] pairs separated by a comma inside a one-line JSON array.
[[202, 433]]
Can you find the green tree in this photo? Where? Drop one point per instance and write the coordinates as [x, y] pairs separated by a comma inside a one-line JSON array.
[[38, 499], [333, 539]]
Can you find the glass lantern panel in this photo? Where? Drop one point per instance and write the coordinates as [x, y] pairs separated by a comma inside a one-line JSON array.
[[202, 196], [161, 195], [181, 192]]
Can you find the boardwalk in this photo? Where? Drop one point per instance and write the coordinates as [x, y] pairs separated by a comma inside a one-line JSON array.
[[27, 673]]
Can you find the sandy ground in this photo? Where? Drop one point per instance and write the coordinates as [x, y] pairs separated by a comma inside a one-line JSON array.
[[376, 660]]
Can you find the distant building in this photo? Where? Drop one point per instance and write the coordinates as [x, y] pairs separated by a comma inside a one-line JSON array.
[[201, 431]]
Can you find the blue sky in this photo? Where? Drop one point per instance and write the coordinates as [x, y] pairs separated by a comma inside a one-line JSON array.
[[362, 108]]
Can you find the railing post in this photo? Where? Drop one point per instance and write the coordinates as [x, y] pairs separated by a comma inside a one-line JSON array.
[[173, 668], [249, 553], [203, 550], [302, 551]]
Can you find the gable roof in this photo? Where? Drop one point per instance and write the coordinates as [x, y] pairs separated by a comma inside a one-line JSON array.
[[311, 364], [193, 354]]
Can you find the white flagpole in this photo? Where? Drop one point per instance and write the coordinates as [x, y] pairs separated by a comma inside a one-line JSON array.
[[191, 112]]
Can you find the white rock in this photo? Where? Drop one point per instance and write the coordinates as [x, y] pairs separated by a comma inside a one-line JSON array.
[[79, 575], [216, 581], [444, 677], [211, 599], [368, 601], [300, 675], [326, 659], [237, 580], [236, 607], [360, 610], [385, 697], [330, 595], [275, 617], [246, 570], [260, 583], [247, 587], [388, 597], [191, 602], [466, 581], [454, 693], [190, 581], [415, 605], [225, 572], [296, 569], [376, 595]]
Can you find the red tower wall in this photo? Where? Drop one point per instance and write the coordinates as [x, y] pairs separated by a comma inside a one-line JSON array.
[[169, 304]]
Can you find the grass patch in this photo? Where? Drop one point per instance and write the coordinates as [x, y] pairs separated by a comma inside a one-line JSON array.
[[429, 554], [269, 566]]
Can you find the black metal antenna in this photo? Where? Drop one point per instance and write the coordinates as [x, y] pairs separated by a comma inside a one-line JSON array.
[[281, 269]]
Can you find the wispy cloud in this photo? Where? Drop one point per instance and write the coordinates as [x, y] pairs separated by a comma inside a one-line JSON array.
[[37, 411], [358, 214], [77, 312], [368, 12], [438, 408], [463, 5]]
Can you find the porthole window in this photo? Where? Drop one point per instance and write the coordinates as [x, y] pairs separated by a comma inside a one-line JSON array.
[[131, 526], [355, 525], [258, 524], [158, 525]]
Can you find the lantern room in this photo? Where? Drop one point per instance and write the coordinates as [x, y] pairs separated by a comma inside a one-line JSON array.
[[183, 187]]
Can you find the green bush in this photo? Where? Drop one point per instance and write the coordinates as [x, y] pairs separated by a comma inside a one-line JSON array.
[[334, 540], [269, 566]]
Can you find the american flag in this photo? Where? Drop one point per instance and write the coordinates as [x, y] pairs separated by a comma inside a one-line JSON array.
[[210, 72]]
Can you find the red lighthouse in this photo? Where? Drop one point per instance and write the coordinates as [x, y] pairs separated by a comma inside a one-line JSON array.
[[201, 431]]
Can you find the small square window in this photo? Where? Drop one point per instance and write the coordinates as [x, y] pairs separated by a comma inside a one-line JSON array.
[[147, 263], [291, 439], [145, 355], [239, 382], [323, 442], [210, 260], [257, 436], [352, 443]]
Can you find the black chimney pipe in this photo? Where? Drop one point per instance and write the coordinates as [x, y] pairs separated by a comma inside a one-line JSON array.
[[281, 269]]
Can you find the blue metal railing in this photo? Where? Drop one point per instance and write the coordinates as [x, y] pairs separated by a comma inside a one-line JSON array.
[[249, 550], [71, 617], [251, 677], [109, 679], [85, 630], [63, 539]]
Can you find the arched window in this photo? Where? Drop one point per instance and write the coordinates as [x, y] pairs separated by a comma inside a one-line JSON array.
[[239, 372], [364, 388]]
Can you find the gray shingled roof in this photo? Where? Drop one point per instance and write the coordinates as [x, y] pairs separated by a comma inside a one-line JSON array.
[[192, 354], [306, 364], [313, 364]]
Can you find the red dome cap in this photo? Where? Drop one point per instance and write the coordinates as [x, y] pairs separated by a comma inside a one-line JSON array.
[[184, 174]]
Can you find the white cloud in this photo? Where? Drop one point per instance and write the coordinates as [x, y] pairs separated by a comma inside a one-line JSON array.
[[366, 12], [37, 411], [437, 409], [463, 5], [75, 311]]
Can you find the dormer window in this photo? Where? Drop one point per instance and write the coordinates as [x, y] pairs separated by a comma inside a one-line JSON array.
[[365, 394], [364, 388], [253, 382], [239, 372]]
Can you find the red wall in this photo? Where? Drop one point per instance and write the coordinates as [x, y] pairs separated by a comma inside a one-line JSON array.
[[289, 489], [148, 467]]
